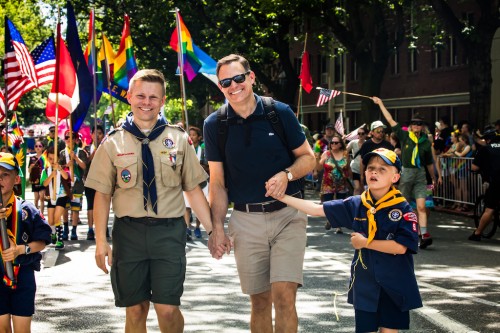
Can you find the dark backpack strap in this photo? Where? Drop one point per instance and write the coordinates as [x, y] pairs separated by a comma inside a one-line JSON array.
[[222, 130], [273, 117]]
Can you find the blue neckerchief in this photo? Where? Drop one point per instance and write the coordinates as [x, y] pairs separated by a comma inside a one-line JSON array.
[[148, 166]]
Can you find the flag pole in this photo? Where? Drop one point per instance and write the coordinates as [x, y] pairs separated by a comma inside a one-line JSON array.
[[108, 79], [94, 64], [6, 94], [56, 138], [349, 93], [180, 63], [299, 106]]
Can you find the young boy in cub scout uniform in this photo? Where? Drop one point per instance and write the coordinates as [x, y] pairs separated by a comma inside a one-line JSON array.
[[28, 234], [144, 166], [382, 288]]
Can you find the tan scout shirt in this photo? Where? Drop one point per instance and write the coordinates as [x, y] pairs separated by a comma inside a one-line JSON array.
[[117, 170]]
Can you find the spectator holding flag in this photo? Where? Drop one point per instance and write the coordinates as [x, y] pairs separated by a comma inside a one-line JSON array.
[[416, 154]]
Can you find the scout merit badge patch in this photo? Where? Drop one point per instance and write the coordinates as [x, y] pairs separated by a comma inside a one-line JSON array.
[[411, 217], [395, 215], [126, 175], [169, 143]]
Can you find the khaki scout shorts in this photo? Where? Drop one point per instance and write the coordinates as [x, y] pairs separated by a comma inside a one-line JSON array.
[[268, 248], [413, 183], [149, 262]]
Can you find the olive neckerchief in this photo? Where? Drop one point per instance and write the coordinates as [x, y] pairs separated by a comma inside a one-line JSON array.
[[14, 232], [393, 197]]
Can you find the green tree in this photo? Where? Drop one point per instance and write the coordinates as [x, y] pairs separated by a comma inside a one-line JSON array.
[[476, 38]]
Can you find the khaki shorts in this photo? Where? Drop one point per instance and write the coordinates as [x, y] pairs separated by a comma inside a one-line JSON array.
[[268, 248], [149, 262], [413, 183]]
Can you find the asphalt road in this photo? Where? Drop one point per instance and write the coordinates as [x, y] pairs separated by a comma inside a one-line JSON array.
[[459, 281]]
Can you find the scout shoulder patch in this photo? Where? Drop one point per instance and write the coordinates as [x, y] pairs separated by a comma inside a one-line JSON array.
[[410, 217]]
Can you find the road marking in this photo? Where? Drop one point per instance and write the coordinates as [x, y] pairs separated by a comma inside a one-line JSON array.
[[442, 321]]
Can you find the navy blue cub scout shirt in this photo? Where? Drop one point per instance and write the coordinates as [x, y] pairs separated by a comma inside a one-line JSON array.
[[34, 228], [394, 273], [254, 152]]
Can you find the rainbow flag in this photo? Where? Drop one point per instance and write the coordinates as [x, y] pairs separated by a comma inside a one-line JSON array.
[[124, 65], [191, 63], [90, 45], [105, 57], [44, 161], [14, 126]]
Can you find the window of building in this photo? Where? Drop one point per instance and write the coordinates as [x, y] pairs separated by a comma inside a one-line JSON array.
[[297, 64], [412, 60], [354, 70], [436, 58], [323, 70], [338, 67], [452, 51], [395, 62]]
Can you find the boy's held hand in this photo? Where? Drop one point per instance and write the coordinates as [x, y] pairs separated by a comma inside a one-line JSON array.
[[358, 241]]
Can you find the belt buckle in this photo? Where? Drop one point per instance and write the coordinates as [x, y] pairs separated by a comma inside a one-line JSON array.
[[267, 204]]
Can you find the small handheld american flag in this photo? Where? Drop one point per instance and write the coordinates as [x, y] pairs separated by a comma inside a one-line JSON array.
[[325, 95]]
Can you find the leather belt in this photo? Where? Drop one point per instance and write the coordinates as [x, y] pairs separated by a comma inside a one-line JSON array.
[[150, 220], [266, 207]]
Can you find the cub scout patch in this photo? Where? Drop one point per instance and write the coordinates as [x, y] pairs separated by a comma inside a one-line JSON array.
[[24, 215], [410, 217], [126, 175], [395, 215]]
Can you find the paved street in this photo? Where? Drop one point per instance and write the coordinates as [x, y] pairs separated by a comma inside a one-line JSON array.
[[459, 282]]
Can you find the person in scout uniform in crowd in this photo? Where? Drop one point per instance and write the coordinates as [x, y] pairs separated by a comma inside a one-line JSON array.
[[144, 166], [79, 158], [416, 154], [28, 233], [382, 288]]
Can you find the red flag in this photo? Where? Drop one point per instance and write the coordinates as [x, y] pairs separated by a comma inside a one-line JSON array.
[[65, 86], [305, 73]]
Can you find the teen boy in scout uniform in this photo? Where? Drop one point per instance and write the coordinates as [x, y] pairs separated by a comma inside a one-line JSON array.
[[144, 166]]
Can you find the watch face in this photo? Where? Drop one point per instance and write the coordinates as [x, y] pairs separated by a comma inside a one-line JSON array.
[[28, 249], [289, 175]]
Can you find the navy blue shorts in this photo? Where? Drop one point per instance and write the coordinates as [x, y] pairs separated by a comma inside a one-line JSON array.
[[21, 301], [388, 316], [61, 202]]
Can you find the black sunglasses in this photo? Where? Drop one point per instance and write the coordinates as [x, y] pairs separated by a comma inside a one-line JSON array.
[[335, 142], [418, 123], [361, 133], [240, 78]]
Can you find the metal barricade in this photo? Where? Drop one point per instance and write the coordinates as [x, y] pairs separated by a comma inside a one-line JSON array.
[[460, 184]]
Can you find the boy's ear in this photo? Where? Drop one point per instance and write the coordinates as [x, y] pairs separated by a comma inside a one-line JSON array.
[[17, 180], [395, 178]]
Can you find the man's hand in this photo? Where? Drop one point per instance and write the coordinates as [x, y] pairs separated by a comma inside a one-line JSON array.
[[358, 241], [276, 185], [219, 244], [102, 251]]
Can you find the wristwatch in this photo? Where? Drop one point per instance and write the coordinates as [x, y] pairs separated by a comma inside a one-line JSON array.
[[27, 249], [288, 174]]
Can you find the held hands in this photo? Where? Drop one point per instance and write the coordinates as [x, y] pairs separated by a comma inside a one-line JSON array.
[[358, 241], [219, 244], [276, 185]]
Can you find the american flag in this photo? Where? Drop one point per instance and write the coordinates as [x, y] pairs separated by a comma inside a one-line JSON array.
[[339, 124], [18, 84], [325, 95], [21, 53]]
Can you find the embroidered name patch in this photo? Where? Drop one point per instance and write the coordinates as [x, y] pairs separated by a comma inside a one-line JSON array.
[[126, 175], [395, 215]]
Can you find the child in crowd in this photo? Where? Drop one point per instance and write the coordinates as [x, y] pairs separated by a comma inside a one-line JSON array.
[[28, 234], [58, 196], [383, 288]]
